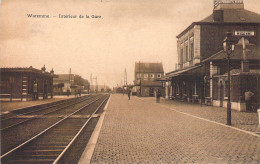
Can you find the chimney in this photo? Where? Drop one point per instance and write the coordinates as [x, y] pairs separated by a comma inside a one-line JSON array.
[[228, 4], [218, 15]]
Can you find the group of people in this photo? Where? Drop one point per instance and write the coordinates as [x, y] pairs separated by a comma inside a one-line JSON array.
[[77, 93]]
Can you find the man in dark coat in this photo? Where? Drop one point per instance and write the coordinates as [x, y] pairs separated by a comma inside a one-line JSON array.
[[129, 93]]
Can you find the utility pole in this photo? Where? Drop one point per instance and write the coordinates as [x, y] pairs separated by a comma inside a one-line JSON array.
[[70, 76], [91, 83], [125, 78], [140, 77], [96, 84]]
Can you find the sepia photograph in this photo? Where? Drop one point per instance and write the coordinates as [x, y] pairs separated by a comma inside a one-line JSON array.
[[130, 81]]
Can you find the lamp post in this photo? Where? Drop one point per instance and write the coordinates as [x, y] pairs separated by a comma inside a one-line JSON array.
[[52, 75], [228, 45]]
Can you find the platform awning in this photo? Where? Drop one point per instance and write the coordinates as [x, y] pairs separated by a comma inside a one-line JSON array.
[[190, 71], [251, 54], [197, 70]]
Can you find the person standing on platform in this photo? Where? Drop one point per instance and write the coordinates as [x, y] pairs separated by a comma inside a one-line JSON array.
[[68, 92], [76, 94], [129, 93], [248, 98], [158, 95], [35, 90]]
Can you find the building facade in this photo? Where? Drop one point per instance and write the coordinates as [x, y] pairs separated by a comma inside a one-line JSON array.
[[201, 74], [146, 75], [70, 84], [26, 83]]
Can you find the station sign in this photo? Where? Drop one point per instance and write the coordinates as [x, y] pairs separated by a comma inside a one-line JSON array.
[[245, 33]]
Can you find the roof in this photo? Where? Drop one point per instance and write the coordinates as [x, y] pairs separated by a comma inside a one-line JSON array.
[[234, 72], [195, 70], [63, 78], [251, 54], [24, 69], [149, 67], [236, 16]]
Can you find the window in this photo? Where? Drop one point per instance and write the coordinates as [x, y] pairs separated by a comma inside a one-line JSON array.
[[159, 75], [226, 89], [151, 75], [181, 59], [191, 48], [145, 75], [186, 51]]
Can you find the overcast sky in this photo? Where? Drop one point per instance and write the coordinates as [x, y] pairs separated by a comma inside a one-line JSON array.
[[129, 31]]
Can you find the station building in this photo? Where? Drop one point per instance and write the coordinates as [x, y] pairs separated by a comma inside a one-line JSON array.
[[145, 78], [201, 74], [26, 83]]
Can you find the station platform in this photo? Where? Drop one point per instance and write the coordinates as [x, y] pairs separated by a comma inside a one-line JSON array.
[[143, 131], [7, 106]]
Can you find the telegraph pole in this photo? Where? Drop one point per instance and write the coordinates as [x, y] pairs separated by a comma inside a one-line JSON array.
[[125, 78]]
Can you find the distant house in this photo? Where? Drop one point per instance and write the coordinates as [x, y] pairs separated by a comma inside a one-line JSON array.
[[145, 78], [69, 83], [99, 88], [26, 83], [62, 83]]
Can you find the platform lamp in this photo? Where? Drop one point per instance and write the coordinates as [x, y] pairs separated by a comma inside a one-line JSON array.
[[229, 46]]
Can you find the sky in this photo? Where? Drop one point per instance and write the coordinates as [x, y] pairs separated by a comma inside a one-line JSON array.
[[128, 31]]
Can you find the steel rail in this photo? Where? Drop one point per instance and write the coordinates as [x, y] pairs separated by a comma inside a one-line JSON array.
[[39, 116], [76, 136], [44, 131], [44, 108]]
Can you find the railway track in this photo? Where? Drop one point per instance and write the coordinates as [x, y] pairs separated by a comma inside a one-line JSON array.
[[15, 120], [35, 108], [51, 144]]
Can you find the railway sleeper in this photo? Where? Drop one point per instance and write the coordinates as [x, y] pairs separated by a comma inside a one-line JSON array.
[[52, 141], [48, 151], [60, 143], [42, 147], [32, 161], [36, 156]]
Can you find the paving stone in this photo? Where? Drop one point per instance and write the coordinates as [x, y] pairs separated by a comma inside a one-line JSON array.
[[142, 131]]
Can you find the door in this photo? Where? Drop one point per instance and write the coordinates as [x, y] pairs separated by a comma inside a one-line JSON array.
[[221, 93]]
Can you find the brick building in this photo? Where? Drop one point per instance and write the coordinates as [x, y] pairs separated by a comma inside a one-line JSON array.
[[201, 74], [145, 78], [26, 83]]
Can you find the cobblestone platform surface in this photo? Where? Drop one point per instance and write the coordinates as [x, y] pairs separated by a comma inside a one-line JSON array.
[[141, 131], [242, 120]]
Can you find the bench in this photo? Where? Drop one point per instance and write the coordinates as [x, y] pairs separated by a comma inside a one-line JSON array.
[[195, 98]]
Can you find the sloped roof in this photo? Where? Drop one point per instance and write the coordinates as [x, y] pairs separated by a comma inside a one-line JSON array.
[[236, 16], [23, 69], [251, 54], [61, 78], [149, 67], [239, 72], [230, 16]]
